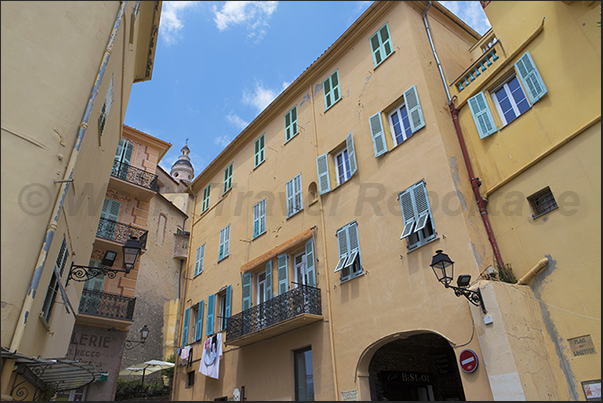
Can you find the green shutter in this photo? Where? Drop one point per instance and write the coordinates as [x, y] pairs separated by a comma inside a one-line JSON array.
[[199, 260], [322, 165], [111, 209], [342, 244], [381, 45], [210, 314], [530, 78], [187, 314], [246, 288], [227, 309], [378, 135], [259, 151], [199, 327], [268, 280], [415, 114], [310, 266], [482, 116], [291, 124], [206, 194], [349, 143], [283, 274], [331, 90], [408, 212], [96, 283]]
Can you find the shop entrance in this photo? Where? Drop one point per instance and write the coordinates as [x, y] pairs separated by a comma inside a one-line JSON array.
[[419, 367]]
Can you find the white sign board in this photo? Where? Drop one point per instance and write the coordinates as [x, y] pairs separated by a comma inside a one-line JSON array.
[[350, 395]]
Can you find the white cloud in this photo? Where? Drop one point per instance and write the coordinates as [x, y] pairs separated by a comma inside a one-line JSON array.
[[171, 22], [254, 14], [222, 141], [261, 96], [471, 12], [236, 121]]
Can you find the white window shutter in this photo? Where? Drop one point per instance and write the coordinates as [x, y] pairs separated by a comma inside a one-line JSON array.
[[268, 280], [246, 288], [415, 114], [530, 78], [227, 240], [324, 182], [310, 259], [482, 116], [349, 143], [378, 135], [289, 190], [342, 243], [408, 212]]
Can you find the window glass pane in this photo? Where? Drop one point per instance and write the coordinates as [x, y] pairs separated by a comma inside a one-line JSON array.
[[375, 42], [384, 34], [505, 105], [518, 95], [334, 80], [405, 122], [304, 377]]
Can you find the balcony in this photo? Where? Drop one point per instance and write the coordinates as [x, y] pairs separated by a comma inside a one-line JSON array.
[[120, 233], [123, 176], [111, 306], [180, 245], [298, 307]]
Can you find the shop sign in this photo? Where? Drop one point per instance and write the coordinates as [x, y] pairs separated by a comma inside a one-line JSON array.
[[350, 395]]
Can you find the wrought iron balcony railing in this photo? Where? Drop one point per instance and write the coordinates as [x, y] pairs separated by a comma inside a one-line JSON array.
[[134, 175], [108, 305], [300, 300], [118, 232]]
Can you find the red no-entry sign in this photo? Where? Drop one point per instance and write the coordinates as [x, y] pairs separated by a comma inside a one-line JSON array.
[[468, 360]]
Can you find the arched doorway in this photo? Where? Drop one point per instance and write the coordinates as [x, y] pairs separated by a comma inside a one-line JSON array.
[[418, 367]]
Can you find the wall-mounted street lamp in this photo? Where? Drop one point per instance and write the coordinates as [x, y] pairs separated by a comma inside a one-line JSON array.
[[443, 268], [144, 333], [131, 251]]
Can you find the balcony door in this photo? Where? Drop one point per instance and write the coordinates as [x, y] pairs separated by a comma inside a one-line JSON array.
[[301, 274], [261, 299], [109, 215], [123, 159]]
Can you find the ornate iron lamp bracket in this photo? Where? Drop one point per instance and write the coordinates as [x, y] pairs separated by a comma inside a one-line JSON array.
[[475, 297], [84, 273]]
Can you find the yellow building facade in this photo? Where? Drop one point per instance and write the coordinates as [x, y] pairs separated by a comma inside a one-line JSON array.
[[65, 90], [529, 108]]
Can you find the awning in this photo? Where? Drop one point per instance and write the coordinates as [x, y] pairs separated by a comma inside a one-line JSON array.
[[58, 374], [291, 243]]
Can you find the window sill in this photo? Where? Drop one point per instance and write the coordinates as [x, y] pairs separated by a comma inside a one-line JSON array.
[[197, 275], [219, 260], [43, 322], [257, 166], [258, 235], [352, 278], [225, 193], [333, 104], [383, 61], [289, 216], [292, 137], [426, 243], [541, 214]]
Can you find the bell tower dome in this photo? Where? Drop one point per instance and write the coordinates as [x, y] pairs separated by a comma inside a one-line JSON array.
[[183, 170]]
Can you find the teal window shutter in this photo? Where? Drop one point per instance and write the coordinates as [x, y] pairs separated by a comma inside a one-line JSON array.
[[110, 211], [310, 262], [259, 151], [349, 143], [342, 244], [227, 309], [206, 193], [331, 89], [482, 116], [322, 166], [415, 113], [227, 178], [381, 45], [246, 288], [530, 77], [294, 195], [378, 135], [268, 280], [199, 259], [291, 124], [283, 274], [199, 328], [187, 315], [408, 213], [256, 220], [210, 314]]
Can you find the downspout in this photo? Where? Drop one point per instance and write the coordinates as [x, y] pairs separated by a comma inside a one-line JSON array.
[[475, 182], [58, 206]]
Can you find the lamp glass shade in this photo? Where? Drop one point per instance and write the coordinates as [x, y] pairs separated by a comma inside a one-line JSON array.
[[443, 267], [131, 252], [144, 333]]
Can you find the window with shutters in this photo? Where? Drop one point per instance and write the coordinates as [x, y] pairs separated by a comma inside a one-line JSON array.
[[259, 152], [259, 218], [194, 318], [331, 90], [185, 326], [106, 108], [55, 281], [294, 196], [402, 119], [514, 96], [199, 257], [227, 179], [291, 124], [224, 299], [224, 243], [416, 216], [123, 159], [381, 45], [198, 325], [349, 264], [206, 193], [342, 160]]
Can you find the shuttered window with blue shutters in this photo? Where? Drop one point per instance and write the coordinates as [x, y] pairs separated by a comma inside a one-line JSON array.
[[199, 324], [246, 288], [330, 88], [381, 45], [283, 273], [211, 308], [187, 316], [416, 216], [310, 263], [227, 179], [530, 78], [206, 194], [482, 116], [322, 166], [199, 260], [225, 309], [415, 113], [350, 262], [259, 154], [259, 218], [378, 135], [510, 100], [268, 280], [224, 243], [293, 189], [291, 124]]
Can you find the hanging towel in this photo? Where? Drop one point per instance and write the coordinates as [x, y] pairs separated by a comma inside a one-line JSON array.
[[210, 358]]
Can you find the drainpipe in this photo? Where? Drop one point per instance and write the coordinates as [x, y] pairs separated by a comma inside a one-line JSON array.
[[475, 182], [533, 271], [58, 206]]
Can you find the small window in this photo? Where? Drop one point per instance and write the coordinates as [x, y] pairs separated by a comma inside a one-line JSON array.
[[224, 242], [294, 196], [54, 286], [350, 263], [345, 165], [227, 179], [331, 90], [190, 379], [400, 125], [381, 45], [510, 100], [291, 124], [304, 375], [199, 260], [259, 152], [417, 217], [206, 193], [342, 165], [542, 202], [224, 300], [259, 218]]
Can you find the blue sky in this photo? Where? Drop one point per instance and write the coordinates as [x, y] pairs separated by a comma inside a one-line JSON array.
[[219, 64]]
